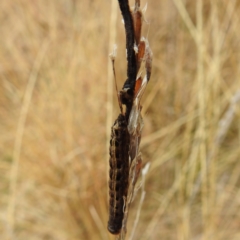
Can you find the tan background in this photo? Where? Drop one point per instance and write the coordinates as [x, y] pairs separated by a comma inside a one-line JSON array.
[[54, 80]]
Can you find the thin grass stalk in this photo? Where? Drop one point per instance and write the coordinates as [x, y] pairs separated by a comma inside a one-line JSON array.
[[112, 41], [19, 137]]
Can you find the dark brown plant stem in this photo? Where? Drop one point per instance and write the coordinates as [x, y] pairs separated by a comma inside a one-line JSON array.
[[127, 97]]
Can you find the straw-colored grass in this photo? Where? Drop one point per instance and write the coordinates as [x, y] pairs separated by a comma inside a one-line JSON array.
[[55, 104]]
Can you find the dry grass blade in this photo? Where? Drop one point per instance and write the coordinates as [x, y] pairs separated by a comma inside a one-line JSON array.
[[112, 40], [19, 135], [143, 193], [223, 127]]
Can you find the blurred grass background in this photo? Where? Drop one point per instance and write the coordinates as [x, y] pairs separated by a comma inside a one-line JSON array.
[[54, 102]]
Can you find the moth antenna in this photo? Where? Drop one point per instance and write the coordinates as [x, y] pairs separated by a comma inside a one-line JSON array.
[[112, 56]]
